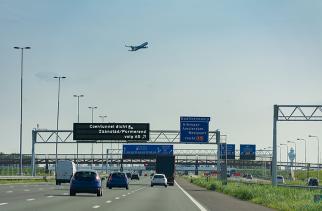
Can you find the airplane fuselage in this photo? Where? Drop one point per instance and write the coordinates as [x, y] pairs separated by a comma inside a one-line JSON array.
[[135, 48]]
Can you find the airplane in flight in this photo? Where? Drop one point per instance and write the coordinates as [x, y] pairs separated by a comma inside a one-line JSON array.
[[135, 48]]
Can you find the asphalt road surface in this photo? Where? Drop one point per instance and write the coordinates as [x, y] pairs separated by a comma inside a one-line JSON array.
[[140, 197]]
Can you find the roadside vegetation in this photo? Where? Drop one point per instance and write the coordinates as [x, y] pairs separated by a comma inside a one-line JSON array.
[[24, 181], [279, 198]]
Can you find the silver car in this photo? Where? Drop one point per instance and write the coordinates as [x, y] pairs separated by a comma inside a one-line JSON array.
[[159, 179]]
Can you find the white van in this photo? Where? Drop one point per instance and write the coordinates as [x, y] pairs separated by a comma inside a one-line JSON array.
[[65, 170]]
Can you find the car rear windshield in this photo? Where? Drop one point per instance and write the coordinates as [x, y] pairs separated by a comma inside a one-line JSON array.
[[118, 175], [85, 175], [158, 176]]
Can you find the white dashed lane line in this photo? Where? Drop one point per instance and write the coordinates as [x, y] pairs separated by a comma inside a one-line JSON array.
[[96, 206], [26, 190], [9, 191], [3, 204], [30, 199], [128, 193], [117, 198], [50, 196], [108, 201], [123, 195]]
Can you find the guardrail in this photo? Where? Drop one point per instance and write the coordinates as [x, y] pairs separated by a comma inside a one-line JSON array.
[[300, 186], [266, 182], [25, 177]]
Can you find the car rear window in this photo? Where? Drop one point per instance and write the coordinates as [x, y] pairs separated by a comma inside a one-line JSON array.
[[118, 175], [85, 175], [158, 176]]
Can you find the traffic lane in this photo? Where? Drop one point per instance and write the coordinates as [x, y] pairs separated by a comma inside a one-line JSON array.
[[156, 198], [13, 193], [80, 202], [212, 200], [59, 199]]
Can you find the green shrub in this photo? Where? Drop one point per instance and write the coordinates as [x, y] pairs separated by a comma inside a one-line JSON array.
[[280, 198]]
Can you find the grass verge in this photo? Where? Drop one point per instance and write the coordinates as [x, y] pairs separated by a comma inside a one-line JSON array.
[[17, 181], [279, 198]]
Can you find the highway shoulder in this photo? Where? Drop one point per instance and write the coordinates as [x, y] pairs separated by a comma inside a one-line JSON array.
[[212, 200]]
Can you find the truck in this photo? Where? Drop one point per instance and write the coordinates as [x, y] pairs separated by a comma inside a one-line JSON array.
[[65, 169], [165, 164]]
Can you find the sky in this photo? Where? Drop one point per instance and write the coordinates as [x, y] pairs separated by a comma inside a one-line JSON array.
[[230, 60]]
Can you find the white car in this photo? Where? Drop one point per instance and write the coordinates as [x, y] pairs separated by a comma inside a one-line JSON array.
[[280, 179], [159, 179]]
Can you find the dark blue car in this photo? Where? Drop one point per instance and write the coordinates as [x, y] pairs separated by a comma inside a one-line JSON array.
[[86, 181], [117, 179]]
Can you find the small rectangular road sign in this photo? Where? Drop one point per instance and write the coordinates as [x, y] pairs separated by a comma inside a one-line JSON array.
[[194, 129], [230, 151], [247, 152]]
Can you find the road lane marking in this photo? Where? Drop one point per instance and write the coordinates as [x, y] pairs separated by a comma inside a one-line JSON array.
[[138, 189], [123, 195], [96, 206], [128, 193], [50, 196], [26, 190], [65, 194], [117, 198], [108, 201], [30, 199], [9, 191], [191, 198], [3, 204]]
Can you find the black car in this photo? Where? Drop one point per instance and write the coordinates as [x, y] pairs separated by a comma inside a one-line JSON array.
[[135, 176], [313, 182], [129, 175]]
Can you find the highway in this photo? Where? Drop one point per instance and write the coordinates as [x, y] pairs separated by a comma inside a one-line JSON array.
[[140, 196]]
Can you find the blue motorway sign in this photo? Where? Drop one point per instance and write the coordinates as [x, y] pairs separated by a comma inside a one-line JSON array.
[[230, 151], [247, 152], [194, 129], [145, 151]]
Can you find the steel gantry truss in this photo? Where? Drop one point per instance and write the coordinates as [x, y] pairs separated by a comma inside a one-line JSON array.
[[156, 136], [183, 156], [291, 113], [41, 136]]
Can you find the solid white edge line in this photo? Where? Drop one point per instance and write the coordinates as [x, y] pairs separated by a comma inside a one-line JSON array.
[[191, 198]]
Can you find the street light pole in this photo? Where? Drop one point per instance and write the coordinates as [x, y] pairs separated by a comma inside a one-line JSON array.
[[59, 78], [78, 96], [103, 117], [317, 138], [21, 85], [286, 153], [92, 108], [302, 139]]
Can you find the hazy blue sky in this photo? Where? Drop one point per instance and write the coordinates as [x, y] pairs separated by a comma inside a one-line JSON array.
[[230, 60]]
